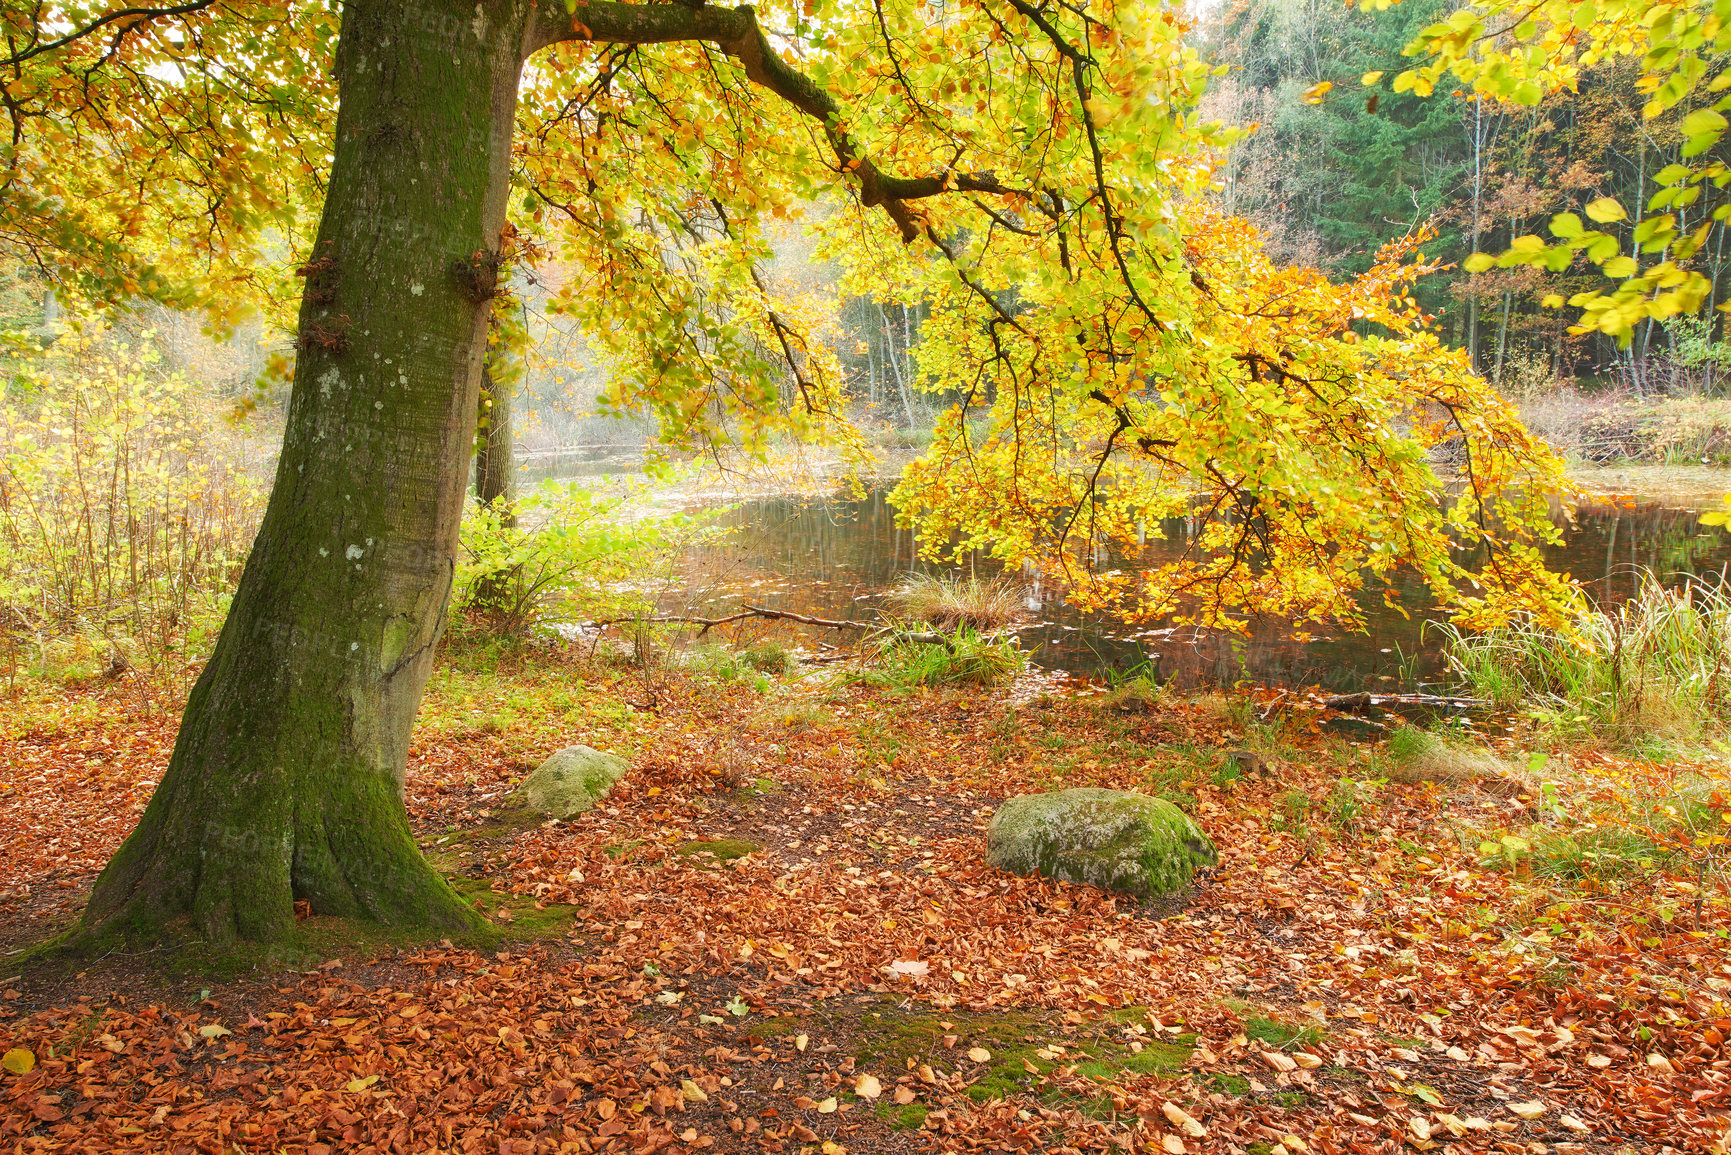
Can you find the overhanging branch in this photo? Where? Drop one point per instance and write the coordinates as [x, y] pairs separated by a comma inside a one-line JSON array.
[[736, 32]]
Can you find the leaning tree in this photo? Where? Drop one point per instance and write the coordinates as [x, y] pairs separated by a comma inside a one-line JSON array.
[[1034, 170]]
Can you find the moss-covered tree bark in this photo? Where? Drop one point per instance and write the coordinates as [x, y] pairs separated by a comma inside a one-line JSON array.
[[287, 781]]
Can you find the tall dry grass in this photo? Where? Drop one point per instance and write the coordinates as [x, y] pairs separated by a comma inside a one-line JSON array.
[[951, 604], [1655, 666]]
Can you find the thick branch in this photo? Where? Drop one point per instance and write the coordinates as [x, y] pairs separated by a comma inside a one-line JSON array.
[[736, 32]]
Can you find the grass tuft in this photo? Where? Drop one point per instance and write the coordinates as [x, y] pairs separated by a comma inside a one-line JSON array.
[[966, 659], [952, 605], [1416, 756]]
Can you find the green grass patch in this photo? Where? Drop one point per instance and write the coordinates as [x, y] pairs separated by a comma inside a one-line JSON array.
[[888, 1039], [901, 661], [1649, 668], [902, 1117]]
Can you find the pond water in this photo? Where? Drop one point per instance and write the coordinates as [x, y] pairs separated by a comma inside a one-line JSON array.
[[836, 558]]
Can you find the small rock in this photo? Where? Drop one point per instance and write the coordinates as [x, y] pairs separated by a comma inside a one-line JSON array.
[[571, 781]]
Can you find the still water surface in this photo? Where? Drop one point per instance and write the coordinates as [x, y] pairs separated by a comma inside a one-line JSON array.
[[836, 558]]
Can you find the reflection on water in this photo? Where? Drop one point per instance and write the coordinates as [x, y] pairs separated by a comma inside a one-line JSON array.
[[836, 558]]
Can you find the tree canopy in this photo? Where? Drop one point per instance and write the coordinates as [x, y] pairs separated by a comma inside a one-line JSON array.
[[1038, 174]]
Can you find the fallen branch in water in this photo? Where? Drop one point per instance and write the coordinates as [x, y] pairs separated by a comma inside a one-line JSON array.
[[1364, 700], [748, 612]]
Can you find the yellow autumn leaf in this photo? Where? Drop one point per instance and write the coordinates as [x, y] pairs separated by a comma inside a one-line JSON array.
[[1370, 78], [1181, 1119], [19, 1061], [355, 1086], [1315, 93], [1605, 210]]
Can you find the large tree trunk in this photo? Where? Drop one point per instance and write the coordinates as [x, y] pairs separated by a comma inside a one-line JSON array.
[[287, 779]]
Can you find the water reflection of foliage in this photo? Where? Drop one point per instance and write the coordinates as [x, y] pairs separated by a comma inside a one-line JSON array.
[[836, 559]]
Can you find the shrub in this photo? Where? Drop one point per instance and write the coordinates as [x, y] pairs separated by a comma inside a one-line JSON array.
[[564, 554], [126, 509]]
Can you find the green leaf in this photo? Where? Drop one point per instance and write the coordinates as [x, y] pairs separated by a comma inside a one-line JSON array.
[[1566, 226], [1479, 262], [1703, 120]]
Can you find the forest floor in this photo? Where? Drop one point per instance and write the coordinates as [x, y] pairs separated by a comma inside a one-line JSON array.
[[779, 933]]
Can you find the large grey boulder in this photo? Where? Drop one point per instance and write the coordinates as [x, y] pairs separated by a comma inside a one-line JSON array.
[[1112, 839], [571, 781]]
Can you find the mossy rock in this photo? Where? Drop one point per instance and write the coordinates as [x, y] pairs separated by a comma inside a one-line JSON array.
[[1113, 839], [571, 781]]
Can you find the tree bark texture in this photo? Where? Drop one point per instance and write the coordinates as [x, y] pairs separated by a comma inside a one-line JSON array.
[[287, 779]]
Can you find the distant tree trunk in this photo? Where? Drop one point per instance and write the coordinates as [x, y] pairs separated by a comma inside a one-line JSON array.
[[287, 779], [1503, 337], [896, 365], [495, 479], [495, 453]]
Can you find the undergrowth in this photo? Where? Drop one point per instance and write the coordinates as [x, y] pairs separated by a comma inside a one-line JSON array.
[[1657, 666]]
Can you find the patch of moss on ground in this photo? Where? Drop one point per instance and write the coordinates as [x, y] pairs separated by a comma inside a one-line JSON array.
[[1023, 1047], [909, 1117], [1272, 1031], [1231, 1084], [507, 819], [525, 922], [720, 849]]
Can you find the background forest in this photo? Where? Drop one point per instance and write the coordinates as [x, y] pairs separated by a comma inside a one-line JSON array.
[[1332, 177]]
